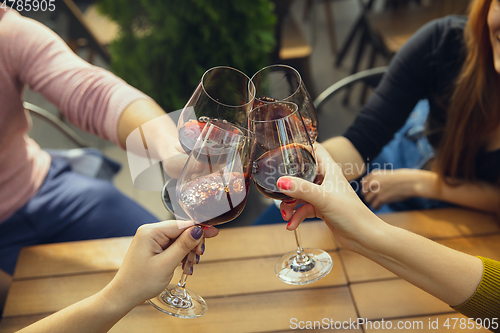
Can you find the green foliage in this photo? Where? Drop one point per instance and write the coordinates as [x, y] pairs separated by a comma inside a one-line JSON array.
[[165, 46]]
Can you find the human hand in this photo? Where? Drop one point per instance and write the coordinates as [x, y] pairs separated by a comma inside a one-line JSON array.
[[334, 201], [155, 252], [381, 187]]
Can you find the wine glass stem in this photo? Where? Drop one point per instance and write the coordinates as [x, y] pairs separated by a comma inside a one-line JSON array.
[[301, 256], [180, 290]]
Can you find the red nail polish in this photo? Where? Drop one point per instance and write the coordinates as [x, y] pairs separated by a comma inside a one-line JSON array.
[[288, 224], [284, 183], [283, 214]]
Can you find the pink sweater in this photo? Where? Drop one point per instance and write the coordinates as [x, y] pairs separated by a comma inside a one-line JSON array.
[[89, 97]]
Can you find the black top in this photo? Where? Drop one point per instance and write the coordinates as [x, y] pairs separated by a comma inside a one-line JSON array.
[[425, 68]]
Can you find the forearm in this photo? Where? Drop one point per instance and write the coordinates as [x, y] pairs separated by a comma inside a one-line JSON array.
[[141, 112], [477, 195], [447, 274], [345, 154], [93, 314]]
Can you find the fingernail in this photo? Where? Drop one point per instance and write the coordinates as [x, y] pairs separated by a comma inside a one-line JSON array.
[[288, 224], [197, 258], [284, 183], [196, 232], [202, 248], [283, 214]]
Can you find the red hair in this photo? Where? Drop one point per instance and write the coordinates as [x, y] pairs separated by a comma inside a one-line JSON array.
[[473, 114]]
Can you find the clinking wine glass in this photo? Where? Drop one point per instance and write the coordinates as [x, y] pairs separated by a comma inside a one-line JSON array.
[[284, 83], [211, 190], [283, 148], [224, 94]]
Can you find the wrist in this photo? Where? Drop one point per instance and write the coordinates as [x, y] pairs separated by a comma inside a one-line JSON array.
[[367, 234], [425, 184], [117, 300]]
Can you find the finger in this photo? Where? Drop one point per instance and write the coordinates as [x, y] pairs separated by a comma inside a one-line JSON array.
[[303, 212], [326, 165], [173, 165], [162, 232], [376, 204], [366, 182], [200, 249], [369, 197], [187, 241], [286, 211], [293, 203], [210, 232]]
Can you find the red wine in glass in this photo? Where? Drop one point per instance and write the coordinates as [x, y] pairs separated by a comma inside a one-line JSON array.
[[215, 198], [291, 160]]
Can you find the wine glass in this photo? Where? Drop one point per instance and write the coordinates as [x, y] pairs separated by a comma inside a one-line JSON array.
[[284, 83], [224, 94], [211, 190], [283, 148]]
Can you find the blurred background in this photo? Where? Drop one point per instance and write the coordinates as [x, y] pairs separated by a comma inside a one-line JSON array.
[[162, 47]]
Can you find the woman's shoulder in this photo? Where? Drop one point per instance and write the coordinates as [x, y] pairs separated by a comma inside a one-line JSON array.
[[451, 26], [440, 37]]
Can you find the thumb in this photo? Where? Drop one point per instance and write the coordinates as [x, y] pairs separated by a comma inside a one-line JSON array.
[[302, 189], [187, 241]]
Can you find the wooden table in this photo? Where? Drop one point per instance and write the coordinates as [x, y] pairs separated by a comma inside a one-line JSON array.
[[236, 278]]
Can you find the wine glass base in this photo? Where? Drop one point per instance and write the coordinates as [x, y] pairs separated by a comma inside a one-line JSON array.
[[290, 271], [192, 307]]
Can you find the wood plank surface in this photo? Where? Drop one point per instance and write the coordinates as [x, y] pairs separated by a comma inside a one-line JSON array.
[[444, 223], [249, 313], [236, 277], [215, 279], [107, 254], [487, 246], [71, 258], [359, 268], [394, 298], [36, 296]]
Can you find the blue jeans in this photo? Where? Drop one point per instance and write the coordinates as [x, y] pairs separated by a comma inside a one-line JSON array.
[[408, 149], [69, 207]]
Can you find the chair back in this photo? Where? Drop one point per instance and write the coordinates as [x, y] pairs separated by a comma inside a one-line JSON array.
[[57, 123], [370, 77]]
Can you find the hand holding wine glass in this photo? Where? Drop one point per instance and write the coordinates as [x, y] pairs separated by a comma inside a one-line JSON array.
[[283, 148]]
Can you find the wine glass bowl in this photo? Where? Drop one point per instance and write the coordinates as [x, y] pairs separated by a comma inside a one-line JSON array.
[[213, 185], [283, 83], [283, 147], [224, 94]]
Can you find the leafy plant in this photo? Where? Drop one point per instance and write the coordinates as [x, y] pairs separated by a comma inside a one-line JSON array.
[[165, 46]]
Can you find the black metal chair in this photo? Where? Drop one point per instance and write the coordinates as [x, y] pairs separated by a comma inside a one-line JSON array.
[[369, 77]]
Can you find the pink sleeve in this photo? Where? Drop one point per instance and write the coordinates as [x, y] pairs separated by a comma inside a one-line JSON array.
[[90, 97]]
